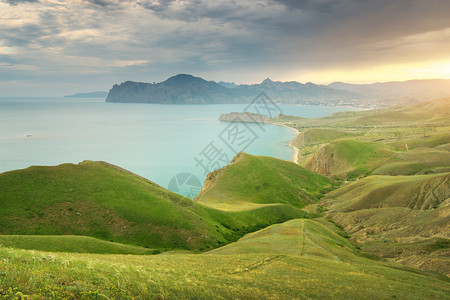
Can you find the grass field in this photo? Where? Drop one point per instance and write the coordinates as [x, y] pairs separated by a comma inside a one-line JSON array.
[[70, 243], [306, 260]]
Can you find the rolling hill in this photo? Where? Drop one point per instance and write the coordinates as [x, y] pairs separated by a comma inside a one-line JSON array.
[[347, 158], [100, 200], [403, 218], [422, 192], [103, 201], [70, 243], [298, 259], [262, 181]]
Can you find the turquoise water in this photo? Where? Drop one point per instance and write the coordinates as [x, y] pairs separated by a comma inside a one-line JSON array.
[[153, 141]]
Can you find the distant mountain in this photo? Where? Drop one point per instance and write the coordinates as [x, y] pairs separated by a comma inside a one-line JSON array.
[[179, 89], [97, 94], [187, 89], [411, 90], [295, 92]]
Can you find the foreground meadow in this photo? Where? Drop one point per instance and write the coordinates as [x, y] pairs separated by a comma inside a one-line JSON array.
[[298, 259]]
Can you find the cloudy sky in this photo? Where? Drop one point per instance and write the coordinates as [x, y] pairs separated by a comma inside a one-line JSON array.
[[52, 47]]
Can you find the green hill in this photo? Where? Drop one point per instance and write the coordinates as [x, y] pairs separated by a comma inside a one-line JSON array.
[[403, 218], [254, 192], [296, 237], [314, 136], [347, 159], [299, 259], [435, 140], [256, 181], [69, 243], [100, 200], [415, 162], [434, 113], [431, 111], [422, 192], [350, 158]]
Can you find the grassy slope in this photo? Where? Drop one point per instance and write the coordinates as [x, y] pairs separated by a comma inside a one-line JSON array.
[[352, 158], [432, 111], [348, 159], [419, 160], [422, 192], [69, 243], [405, 218], [100, 200], [314, 136], [297, 259], [255, 191], [295, 237], [251, 180]]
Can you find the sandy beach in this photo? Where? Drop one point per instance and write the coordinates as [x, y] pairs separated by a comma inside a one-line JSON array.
[[291, 144]]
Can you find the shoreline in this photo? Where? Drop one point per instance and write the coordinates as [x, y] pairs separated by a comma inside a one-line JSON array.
[[294, 148]]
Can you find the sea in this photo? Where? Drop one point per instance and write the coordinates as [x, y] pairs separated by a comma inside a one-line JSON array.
[[175, 146]]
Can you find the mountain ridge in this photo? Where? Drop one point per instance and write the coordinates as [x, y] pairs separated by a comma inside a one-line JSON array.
[[188, 89]]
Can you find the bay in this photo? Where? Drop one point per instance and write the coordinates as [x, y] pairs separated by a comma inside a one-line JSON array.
[[157, 142]]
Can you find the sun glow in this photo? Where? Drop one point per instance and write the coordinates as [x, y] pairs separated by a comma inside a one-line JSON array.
[[382, 73]]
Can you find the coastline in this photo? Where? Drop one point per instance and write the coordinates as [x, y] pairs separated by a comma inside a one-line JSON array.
[[291, 144]]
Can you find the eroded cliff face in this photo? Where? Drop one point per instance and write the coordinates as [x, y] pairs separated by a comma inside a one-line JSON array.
[[212, 177], [324, 162]]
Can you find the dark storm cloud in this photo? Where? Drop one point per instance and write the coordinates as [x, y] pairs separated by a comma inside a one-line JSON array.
[[109, 4], [156, 6], [16, 2], [379, 17], [315, 5], [22, 35], [102, 3], [338, 21], [226, 11]]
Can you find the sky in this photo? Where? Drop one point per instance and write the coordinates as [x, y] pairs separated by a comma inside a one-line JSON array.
[[55, 48]]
